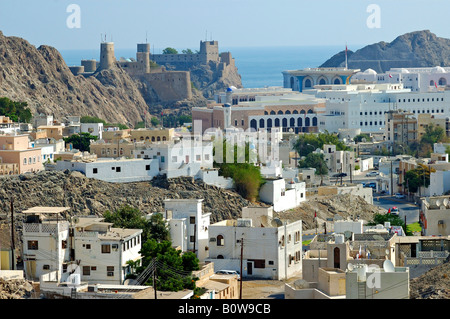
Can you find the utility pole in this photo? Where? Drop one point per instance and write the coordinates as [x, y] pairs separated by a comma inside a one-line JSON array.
[[13, 250], [242, 256], [154, 278]]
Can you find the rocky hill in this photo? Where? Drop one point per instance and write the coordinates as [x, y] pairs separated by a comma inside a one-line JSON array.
[[434, 284], [40, 77], [415, 49]]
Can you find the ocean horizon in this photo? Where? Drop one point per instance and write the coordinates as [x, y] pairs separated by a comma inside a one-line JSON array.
[[258, 66]]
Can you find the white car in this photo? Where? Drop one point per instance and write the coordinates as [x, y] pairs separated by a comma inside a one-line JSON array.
[[370, 174], [399, 196], [228, 272]]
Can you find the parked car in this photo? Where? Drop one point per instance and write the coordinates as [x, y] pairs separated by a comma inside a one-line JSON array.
[[229, 272], [371, 174], [340, 175], [394, 211], [400, 196]]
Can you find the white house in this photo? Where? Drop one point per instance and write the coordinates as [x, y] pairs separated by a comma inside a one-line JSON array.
[[266, 247], [185, 158], [281, 194], [52, 244], [114, 170], [103, 251], [188, 225], [95, 129]]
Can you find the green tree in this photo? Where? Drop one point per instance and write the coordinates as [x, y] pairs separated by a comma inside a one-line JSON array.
[[309, 142], [154, 121], [317, 161], [80, 141], [169, 50], [362, 137], [433, 134], [246, 176], [16, 111], [187, 51], [130, 217], [418, 177], [394, 220], [173, 271]]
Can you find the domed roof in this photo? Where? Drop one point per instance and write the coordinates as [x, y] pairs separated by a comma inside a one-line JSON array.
[[370, 71], [404, 70], [438, 69]]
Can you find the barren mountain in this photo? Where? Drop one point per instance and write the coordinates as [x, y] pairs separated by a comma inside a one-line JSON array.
[[414, 49], [40, 77]]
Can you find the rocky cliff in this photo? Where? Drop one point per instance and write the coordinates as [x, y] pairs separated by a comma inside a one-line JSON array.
[[40, 77], [415, 49]]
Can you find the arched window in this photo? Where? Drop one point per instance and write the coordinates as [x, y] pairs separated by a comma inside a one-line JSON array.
[[337, 81], [287, 112], [261, 123], [292, 122], [299, 122], [431, 83], [284, 122], [153, 138], [442, 82], [322, 82], [295, 112], [314, 121], [272, 112], [310, 111], [302, 112], [307, 121], [220, 240], [253, 124], [158, 139], [277, 122], [269, 123], [164, 138], [265, 113], [308, 83], [280, 112]]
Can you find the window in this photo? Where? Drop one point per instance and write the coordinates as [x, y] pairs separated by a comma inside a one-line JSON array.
[[147, 167], [93, 268], [117, 169], [192, 239], [198, 158], [46, 267], [192, 220], [106, 249], [220, 240], [64, 244], [115, 247], [88, 246], [94, 171], [33, 245], [86, 270], [110, 271]]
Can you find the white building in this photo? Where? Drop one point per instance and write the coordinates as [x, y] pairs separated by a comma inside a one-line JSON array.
[[281, 194], [103, 251], [188, 225], [114, 170], [50, 147], [338, 161], [270, 248], [185, 158], [435, 215], [364, 106], [53, 244], [95, 129]]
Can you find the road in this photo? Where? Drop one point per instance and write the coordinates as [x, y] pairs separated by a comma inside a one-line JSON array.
[[405, 208]]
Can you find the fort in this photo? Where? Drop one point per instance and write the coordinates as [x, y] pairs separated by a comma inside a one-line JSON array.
[[169, 76]]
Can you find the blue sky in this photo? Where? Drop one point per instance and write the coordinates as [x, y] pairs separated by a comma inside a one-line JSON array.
[[234, 23]]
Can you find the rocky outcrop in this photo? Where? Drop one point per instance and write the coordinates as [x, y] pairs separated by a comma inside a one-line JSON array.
[[86, 196], [40, 77], [15, 289], [415, 49]]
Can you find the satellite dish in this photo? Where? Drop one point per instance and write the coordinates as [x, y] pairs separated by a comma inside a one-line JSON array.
[[75, 220], [350, 267], [438, 202], [388, 266], [276, 222], [445, 202]]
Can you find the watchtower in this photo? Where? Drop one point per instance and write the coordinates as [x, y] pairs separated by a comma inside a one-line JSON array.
[[143, 57], [209, 51], [107, 58]]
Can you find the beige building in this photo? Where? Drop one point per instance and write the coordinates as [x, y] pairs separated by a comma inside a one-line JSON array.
[[14, 150], [435, 215], [52, 131], [425, 120], [401, 127], [152, 135]]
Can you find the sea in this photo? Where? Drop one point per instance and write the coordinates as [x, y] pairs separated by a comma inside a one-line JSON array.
[[258, 66]]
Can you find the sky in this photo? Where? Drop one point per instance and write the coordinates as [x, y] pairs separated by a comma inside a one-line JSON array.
[[234, 23]]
